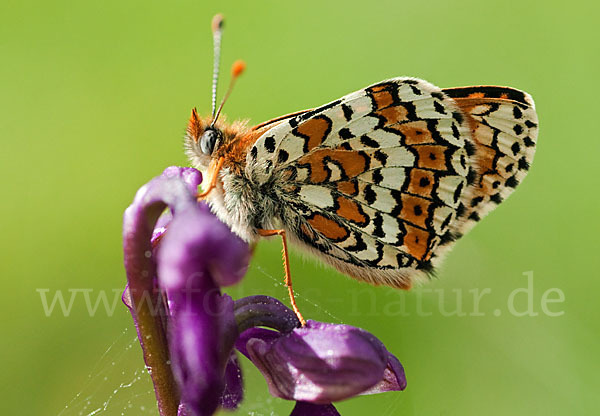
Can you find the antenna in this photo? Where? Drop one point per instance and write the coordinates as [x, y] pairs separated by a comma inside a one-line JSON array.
[[237, 69], [217, 29]]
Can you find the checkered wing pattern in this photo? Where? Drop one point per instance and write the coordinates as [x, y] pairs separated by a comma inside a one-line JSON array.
[[504, 126], [379, 181]]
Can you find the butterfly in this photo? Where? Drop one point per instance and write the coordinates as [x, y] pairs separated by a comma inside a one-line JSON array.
[[378, 184]]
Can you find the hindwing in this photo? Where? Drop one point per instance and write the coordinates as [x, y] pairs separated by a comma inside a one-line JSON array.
[[377, 182]]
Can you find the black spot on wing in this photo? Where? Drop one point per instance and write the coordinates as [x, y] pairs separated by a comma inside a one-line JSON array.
[[282, 156], [269, 144], [496, 198], [512, 182], [347, 112], [457, 116], [438, 107], [455, 131], [381, 157], [367, 141], [470, 148], [370, 195], [516, 148], [415, 90], [517, 113], [345, 133], [523, 164], [460, 210], [378, 225], [471, 176], [458, 191], [518, 129], [530, 123], [474, 216], [425, 266], [528, 142], [438, 95], [377, 176], [476, 201]]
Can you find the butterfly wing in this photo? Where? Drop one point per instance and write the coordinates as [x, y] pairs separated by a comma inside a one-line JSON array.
[[373, 182], [504, 128]]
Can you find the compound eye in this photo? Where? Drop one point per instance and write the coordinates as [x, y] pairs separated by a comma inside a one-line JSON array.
[[208, 140]]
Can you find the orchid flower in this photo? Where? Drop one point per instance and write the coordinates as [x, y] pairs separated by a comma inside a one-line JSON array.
[[177, 261]]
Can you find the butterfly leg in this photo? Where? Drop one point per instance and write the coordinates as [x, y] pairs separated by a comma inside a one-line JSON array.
[[214, 177], [286, 266]]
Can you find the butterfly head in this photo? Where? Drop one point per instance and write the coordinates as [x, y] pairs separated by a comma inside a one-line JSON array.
[[202, 140], [207, 137]]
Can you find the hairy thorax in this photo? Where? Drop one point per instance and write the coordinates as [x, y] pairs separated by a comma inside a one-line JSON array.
[[243, 206]]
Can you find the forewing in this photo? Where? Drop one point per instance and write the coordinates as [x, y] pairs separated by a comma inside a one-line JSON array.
[[504, 128]]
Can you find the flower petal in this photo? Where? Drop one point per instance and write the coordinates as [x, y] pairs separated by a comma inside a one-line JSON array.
[[146, 304], [234, 389], [320, 362], [394, 378], [192, 177], [260, 310], [262, 334], [207, 247], [202, 321]]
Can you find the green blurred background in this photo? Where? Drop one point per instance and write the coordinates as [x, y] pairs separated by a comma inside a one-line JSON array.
[[94, 99]]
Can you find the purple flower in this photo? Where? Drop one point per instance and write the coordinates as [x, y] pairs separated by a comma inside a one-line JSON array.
[[198, 254], [176, 263], [321, 362], [147, 306]]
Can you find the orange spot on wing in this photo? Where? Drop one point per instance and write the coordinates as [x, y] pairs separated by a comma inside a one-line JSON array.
[[415, 132], [476, 95], [415, 210], [431, 157], [382, 98], [352, 163], [393, 115], [487, 183], [379, 88], [485, 159], [316, 130], [416, 242], [421, 182], [329, 228], [348, 187], [350, 210]]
